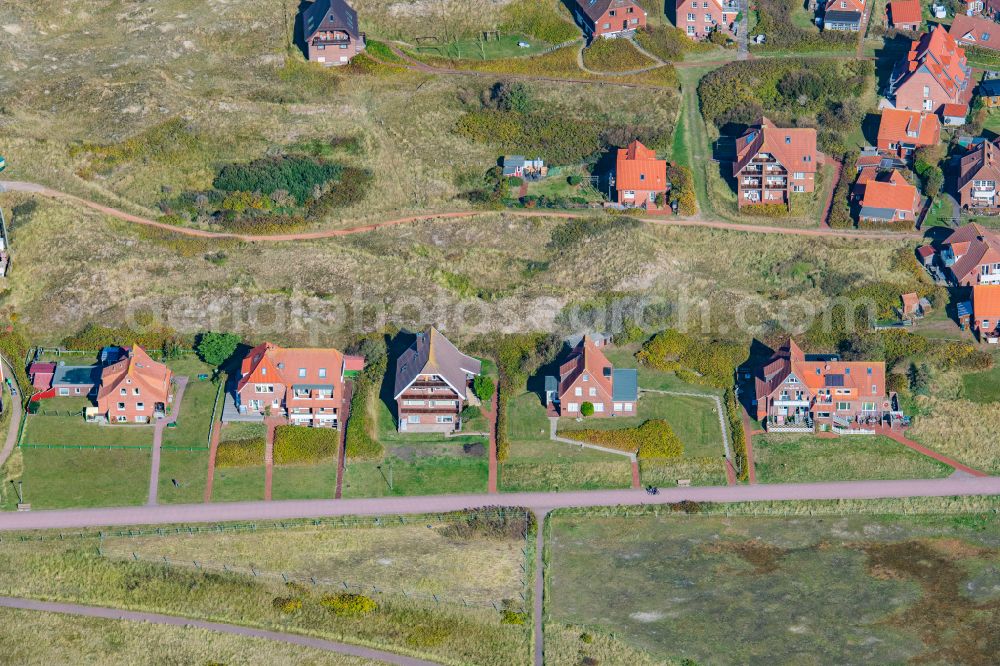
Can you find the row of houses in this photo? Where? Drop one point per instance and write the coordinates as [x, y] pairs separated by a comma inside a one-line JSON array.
[[432, 384]]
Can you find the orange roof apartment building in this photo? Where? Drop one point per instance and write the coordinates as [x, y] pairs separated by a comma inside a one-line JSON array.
[[774, 162], [699, 18], [135, 389], [303, 385], [639, 176], [886, 197], [933, 73], [796, 392], [588, 376], [902, 132]]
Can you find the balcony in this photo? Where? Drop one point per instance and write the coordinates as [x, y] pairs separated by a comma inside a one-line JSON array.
[[428, 410], [791, 402]]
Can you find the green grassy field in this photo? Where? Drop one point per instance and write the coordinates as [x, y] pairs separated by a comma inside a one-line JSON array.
[[237, 484], [455, 560], [195, 415], [833, 589], [75, 431], [189, 469], [537, 463], [799, 459], [31, 637], [982, 387], [317, 481], [63, 478], [695, 420], [506, 46]]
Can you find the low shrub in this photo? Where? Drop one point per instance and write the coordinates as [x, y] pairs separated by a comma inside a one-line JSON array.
[[894, 225], [429, 634], [241, 453], [490, 523], [151, 337], [360, 442], [772, 210], [653, 439], [614, 55], [694, 361], [682, 189], [668, 43], [348, 604], [299, 444], [296, 175], [513, 617], [737, 434], [587, 409], [840, 209], [483, 387], [287, 604], [555, 137], [542, 19], [568, 234], [775, 21]]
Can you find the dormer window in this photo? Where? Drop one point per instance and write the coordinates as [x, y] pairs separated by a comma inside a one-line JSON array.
[[788, 140], [586, 377], [263, 371], [642, 176]]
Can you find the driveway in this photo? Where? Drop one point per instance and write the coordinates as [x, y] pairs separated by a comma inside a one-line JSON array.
[[158, 428]]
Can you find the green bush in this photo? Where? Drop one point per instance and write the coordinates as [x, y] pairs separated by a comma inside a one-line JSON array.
[[360, 442], [287, 604], [296, 175], [543, 19], [513, 617], [574, 179], [774, 19], [668, 43], [483, 387], [300, 444], [653, 439], [555, 137], [348, 604], [737, 434], [694, 361], [772, 210], [241, 453], [216, 348], [682, 189], [840, 210], [517, 357], [93, 336], [587, 409], [614, 55]]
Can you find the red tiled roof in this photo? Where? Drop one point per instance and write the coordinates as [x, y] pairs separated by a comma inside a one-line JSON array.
[[925, 251], [268, 363], [905, 11], [638, 169], [144, 371], [894, 193], [943, 58], [793, 147], [955, 110], [986, 302], [898, 126], [972, 245], [586, 358], [976, 30]]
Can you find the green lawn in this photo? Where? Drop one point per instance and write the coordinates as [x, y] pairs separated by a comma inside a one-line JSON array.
[[694, 419], [238, 484], [189, 469], [435, 474], [982, 386], [796, 459], [715, 589], [553, 466], [195, 416], [700, 472], [556, 185], [476, 49], [63, 478], [317, 481], [537, 463], [74, 431]]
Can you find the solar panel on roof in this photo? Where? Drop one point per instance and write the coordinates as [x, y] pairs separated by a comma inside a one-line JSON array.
[[835, 380]]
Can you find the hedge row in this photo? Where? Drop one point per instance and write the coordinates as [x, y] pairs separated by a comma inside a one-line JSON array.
[[772, 210], [241, 453], [297, 444], [360, 444], [737, 435], [693, 361], [682, 189], [653, 439]]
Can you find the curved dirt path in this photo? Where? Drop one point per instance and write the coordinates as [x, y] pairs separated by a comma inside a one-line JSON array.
[[666, 220], [221, 627]]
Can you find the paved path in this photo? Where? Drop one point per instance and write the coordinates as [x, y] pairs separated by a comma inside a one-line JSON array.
[[748, 438], [539, 596], [491, 417], [289, 509], [449, 215], [920, 448], [213, 450], [158, 427], [345, 417], [270, 424], [15, 418], [184, 622]]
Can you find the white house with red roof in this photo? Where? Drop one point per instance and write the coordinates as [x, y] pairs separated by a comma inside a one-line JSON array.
[[639, 176]]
